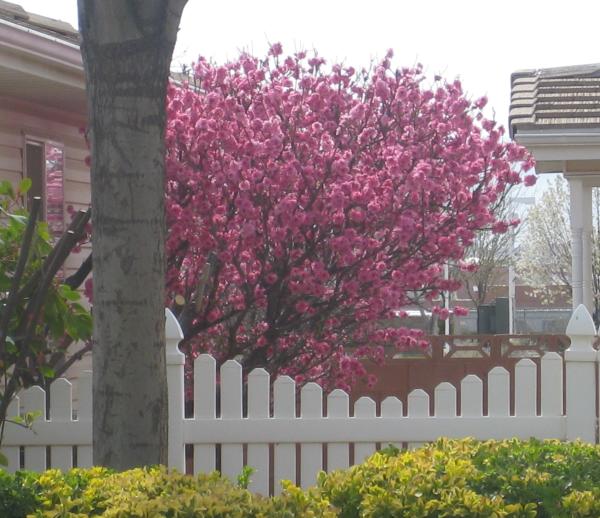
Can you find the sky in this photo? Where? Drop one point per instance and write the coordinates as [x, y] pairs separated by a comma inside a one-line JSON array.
[[479, 41]]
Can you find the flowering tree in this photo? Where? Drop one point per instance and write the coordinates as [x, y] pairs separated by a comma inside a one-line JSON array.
[[305, 205]]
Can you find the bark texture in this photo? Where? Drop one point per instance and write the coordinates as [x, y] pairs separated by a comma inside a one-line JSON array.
[[127, 47]]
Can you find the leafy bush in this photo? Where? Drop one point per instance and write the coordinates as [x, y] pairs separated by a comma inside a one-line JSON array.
[[17, 494], [151, 492], [471, 479], [40, 313], [468, 479]]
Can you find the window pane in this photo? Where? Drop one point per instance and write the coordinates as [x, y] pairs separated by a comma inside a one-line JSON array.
[[34, 160], [54, 189]]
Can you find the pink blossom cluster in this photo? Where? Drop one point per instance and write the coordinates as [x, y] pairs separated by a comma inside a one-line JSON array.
[[306, 204]]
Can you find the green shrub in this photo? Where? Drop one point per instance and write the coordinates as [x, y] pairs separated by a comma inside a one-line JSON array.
[[17, 494], [446, 479], [471, 479], [147, 493]]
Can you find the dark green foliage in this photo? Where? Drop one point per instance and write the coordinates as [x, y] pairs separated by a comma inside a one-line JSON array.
[[18, 494], [40, 312]]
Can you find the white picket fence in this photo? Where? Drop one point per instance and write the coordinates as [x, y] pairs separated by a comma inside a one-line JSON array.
[[281, 443]]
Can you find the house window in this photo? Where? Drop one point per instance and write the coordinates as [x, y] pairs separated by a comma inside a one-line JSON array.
[[44, 165]]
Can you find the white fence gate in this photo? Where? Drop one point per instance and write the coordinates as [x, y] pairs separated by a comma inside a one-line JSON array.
[[281, 443]]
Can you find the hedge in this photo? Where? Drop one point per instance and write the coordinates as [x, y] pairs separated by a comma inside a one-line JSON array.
[[445, 479]]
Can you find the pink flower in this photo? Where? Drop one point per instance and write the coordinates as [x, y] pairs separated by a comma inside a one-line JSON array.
[[500, 227], [261, 342], [459, 311], [530, 180], [443, 314], [357, 215], [302, 306], [382, 89], [276, 49], [88, 289], [481, 102]]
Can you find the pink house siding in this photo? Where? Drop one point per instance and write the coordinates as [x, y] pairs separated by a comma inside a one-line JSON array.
[[42, 100], [18, 121]]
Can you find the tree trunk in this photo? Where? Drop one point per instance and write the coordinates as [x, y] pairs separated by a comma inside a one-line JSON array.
[[127, 48]]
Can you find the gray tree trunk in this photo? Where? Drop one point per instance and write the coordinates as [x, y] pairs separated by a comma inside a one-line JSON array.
[[127, 47]]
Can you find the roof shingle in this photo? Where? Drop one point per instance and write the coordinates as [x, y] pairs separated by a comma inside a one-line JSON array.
[[555, 98], [16, 14]]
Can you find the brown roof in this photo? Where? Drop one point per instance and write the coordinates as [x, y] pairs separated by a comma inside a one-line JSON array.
[[555, 98], [16, 14]]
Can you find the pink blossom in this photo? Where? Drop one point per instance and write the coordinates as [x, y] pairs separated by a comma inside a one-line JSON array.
[[382, 89], [500, 227], [481, 102], [276, 49], [88, 288], [459, 311], [302, 306]]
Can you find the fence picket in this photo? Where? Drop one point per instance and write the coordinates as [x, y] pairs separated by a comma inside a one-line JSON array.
[[364, 408], [418, 406], [311, 454], [258, 408], [444, 400], [284, 406], [84, 413], [205, 384], [498, 392], [232, 455], [391, 406], [12, 453], [471, 396], [525, 388], [175, 363], [552, 384], [34, 400], [338, 454], [61, 411]]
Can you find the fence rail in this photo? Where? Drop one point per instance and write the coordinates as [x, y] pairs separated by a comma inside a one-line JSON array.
[[265, 425]]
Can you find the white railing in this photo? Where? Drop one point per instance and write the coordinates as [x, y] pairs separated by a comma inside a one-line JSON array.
[[281, 443]]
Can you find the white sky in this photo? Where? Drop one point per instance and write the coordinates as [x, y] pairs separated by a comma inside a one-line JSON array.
[[480, 41]]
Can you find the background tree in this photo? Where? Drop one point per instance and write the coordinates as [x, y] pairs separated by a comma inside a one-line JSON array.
[[544, 261], [306, 205], [545, 250], [40, 313], [127, 49], [489, 256]]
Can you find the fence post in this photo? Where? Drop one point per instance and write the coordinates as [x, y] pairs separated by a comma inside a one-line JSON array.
[[580, 359], [175, 376]]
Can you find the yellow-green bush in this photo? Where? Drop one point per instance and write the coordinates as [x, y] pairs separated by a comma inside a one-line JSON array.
[[445, 479], [471, 479], [154, 492]]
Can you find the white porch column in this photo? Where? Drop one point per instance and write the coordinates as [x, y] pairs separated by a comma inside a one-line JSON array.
[[586, 246], [581, 251]]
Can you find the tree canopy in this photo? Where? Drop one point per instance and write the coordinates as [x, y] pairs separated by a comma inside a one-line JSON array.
[[306, 204]]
